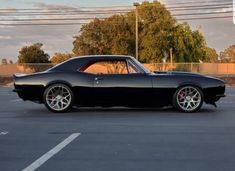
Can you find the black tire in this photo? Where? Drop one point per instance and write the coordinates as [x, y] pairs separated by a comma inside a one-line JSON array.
[[68, 105], [180, 106]]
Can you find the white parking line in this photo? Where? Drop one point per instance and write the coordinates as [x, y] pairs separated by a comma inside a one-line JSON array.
[[36, 164], [16, 100], [3, 133]]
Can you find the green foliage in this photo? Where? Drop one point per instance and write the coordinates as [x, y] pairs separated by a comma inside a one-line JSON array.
[[212, 55], [33, 54], [156, 26], [158, 32], [110, 36], [61, 57], [188, 45], [228, 55]]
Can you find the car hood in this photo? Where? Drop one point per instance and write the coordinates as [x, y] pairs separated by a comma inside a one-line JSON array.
[[188, 74], [179, 73]]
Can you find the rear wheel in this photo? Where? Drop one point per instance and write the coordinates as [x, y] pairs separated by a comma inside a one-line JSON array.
[[188, 99], [58, 98]]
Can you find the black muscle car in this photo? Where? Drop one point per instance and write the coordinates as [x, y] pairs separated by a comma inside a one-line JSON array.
[[116, 81]]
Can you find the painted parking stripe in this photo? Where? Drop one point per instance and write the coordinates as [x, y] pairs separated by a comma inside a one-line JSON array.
[[36, 164], [3, 133], [16, 100]]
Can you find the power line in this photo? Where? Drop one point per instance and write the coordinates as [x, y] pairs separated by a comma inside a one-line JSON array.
[[41, 24], [181, 3], [69, 12], [107, 7], [51, 19], [201, 8], [199, 2], [81, 23], [104, 10], [103, 13], [195, 6], [90, 18], [59, 11], [204, 18], [202, 13], [39, 14]]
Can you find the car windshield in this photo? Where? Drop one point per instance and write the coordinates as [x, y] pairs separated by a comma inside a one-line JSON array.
[[140, 65]]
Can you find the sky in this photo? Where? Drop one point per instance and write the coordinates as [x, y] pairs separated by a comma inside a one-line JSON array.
[[219, 33]]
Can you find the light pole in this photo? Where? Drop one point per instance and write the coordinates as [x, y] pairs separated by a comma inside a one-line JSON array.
[[171, 57], [136, 4]]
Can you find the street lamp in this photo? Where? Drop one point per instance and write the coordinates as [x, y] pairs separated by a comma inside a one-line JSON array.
[[136, 4]]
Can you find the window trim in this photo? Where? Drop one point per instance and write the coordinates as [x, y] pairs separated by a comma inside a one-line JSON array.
[[87, 65], [131, 62]]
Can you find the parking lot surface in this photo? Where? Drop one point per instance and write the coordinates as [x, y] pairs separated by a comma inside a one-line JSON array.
[[117, 139]]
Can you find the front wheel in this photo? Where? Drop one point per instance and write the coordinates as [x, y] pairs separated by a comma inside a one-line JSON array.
[[188, 99], [58, 98]]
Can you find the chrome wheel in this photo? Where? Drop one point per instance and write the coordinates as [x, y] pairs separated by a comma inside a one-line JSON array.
[[58, 97], [189, 98]]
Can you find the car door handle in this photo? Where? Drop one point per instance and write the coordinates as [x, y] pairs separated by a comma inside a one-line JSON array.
[[98, 78]]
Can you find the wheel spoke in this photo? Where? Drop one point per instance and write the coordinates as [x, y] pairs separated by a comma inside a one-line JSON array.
[[189, 98], [58, 98], [188, 106]]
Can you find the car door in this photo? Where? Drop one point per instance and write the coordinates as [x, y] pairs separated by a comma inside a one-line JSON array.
[[117, 84], [122, 89]]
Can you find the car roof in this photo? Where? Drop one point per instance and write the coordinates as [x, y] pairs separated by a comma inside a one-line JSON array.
[[102, 57], [76, 63]]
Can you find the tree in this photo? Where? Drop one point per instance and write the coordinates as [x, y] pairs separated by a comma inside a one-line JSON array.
[[156, 25], [212, 55], [109, 36], [158, 32], [188, 45], [61, 57], [4, 61], [228, 55], [33, 54]]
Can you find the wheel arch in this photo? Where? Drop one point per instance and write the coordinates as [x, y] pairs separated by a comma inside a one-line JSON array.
[[58, 82], [193, 84]]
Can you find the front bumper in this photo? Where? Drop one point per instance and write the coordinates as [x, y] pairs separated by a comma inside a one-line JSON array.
[[17, 90], [221, 95]]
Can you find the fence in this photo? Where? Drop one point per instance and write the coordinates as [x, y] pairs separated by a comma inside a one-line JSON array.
[[202, 68], [225, 69]]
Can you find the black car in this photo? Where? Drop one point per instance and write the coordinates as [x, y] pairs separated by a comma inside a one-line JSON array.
[[116, 81]]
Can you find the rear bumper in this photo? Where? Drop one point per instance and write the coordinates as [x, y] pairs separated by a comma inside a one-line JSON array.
[[32, 93], [221, 95]]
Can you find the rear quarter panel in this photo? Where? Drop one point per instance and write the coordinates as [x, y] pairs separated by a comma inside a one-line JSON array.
[[33, 86]]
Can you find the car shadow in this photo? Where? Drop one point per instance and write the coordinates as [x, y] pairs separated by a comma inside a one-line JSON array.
[[115, 111]]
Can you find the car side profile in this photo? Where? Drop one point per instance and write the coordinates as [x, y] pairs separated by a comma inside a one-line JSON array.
[[108, 81]]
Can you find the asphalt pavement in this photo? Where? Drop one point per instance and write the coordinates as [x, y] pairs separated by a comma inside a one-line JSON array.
[[117, 139]]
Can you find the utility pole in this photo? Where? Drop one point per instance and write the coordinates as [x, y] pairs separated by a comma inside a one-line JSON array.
[[171, 58], [136, 4]]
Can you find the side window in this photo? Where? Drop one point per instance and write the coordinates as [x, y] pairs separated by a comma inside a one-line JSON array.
[[133, 69], [107, 67]]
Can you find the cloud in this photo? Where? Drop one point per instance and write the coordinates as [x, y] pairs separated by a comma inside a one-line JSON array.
[[54, 39], [2, 26], [53, 6], [5, 37]]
